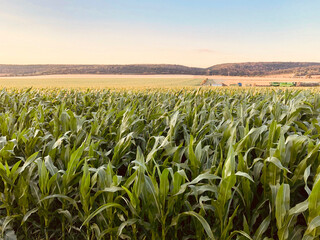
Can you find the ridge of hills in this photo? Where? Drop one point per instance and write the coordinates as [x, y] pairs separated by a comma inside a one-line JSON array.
[[226, 69]]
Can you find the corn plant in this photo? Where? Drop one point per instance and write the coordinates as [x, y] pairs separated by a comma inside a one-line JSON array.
[[160, 164]]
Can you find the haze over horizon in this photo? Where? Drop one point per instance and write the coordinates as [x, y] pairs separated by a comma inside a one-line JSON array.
[[192, 33]]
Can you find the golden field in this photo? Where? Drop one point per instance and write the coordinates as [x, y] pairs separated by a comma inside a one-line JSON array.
[[136, 81]]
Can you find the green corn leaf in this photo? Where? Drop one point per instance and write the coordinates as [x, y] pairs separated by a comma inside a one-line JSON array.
[[203, 222], [101, 209], [282, 204], [262, 228], [229, 165], [314, 201]]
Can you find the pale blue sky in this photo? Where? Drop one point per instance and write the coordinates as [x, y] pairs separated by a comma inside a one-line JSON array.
[[189, 32]]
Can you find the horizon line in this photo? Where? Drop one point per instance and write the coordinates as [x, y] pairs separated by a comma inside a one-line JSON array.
[[131, 64]]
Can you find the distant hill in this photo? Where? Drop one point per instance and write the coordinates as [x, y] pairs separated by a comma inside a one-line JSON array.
[[265, 68], [33, 70], [227, 69]]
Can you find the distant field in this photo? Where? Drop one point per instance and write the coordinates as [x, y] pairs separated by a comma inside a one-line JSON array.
[[136, 81], [264, 80], [101, 81]]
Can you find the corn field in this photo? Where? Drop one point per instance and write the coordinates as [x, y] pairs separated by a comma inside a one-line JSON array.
[[160, 164]]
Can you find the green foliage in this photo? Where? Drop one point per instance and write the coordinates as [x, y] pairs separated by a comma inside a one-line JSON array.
[[190, 164]]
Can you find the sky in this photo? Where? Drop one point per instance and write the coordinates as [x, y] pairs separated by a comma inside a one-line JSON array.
[[197, 33]]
